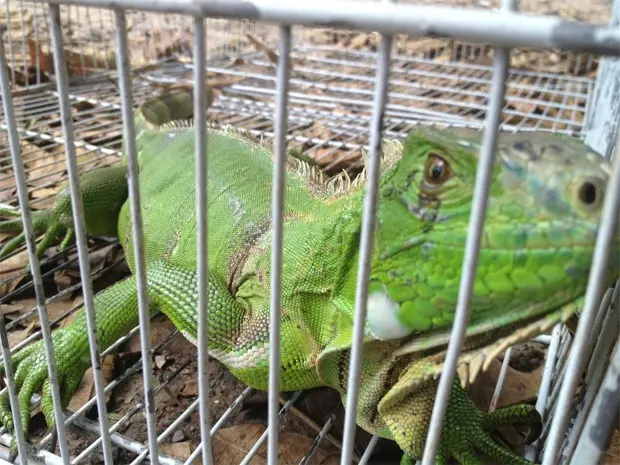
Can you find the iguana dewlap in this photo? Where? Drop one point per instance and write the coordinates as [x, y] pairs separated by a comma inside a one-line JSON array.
[[541, 225]]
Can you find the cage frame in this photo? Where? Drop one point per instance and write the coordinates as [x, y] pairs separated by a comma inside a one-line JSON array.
[[503, 29]]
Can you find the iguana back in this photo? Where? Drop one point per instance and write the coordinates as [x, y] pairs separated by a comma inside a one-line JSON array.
[[239, 198]]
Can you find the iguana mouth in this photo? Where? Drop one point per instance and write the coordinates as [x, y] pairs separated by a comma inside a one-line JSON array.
[[545, 319], [384, 324]]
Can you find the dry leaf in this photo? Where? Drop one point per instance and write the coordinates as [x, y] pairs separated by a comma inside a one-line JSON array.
[[519, 387], [261, 47], [45, 192], [43, 166], [161, 327], [15, 337], [231, 445], [65, 278], [6, 235], [360, 41], [179, 450], [191, 388], [81, 62], [102, 257], [11, 309], [55, 310], [9, 268], [7, 184], [86, 389], [612, 456], [28, 76], [160, 361]]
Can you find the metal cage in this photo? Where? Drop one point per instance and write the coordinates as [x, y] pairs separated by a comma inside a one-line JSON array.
[[345, 73]]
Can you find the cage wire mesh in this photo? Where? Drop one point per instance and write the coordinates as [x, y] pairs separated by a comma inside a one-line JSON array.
[[433, 81]]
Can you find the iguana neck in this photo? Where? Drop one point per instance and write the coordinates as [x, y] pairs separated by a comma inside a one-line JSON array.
[[396, 252]]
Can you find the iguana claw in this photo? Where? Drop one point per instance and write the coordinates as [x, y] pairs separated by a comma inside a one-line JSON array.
[[103, 190], [475, 436], [31, 375], [46, 222], [468, 431]]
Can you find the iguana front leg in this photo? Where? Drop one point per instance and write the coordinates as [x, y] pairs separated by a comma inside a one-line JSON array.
[[238, 334], [396, 401], [104, 191], [116, 312]]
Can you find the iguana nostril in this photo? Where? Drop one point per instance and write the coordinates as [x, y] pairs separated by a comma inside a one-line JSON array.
[[588, 193]]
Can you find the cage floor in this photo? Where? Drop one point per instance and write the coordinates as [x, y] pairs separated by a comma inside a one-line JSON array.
[[329, 116]]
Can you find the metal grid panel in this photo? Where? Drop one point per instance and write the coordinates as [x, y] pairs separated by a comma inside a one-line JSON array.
[[155, 36], [258, 116]]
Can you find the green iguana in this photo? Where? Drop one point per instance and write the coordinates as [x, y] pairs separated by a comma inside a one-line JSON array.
[[540, 230]]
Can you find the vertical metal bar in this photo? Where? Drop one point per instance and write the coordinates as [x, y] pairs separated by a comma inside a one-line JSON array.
[[596, 281], [603, 106], [10, 381], [79, 223], [37, 46], [122, 65], [599, 425], [470, 262], [607, 336], [367, 234], [22, 192], [500, 381], [279, 173], [545, 385], [218, 424], [81, 45], [10, 39], [23, 31], [369, 450], [200, 113]]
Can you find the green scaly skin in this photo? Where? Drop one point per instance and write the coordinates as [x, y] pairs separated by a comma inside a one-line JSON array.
[[540, 230]]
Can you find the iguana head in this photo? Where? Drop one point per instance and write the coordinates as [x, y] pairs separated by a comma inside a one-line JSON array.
[[545, 202]]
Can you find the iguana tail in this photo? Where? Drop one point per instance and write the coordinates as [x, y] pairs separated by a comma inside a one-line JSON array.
[[166, 109], [179, 107]]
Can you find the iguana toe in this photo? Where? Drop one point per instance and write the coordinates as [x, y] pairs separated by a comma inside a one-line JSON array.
[[468, 431], [406, 410], [44, 222], [31, 376], [32, 383], [12, 245], [6, 417], [524, 414]]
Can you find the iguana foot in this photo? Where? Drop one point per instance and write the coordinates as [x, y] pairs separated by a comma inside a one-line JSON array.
[[116, 313], [31, 375], [104, 191], [468, 431], [45, 222]]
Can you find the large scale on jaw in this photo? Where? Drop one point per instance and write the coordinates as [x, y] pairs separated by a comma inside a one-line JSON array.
[[544, 206]]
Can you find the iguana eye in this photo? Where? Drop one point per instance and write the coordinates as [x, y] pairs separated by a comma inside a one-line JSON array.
[[437, 170]]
